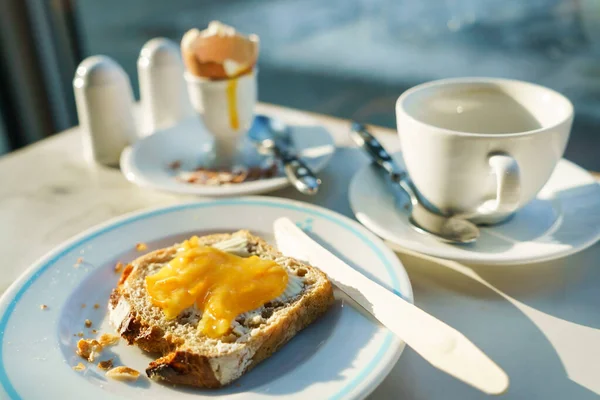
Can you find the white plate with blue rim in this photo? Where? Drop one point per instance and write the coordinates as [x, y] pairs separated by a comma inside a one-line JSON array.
[[150, 161], [343, 355]]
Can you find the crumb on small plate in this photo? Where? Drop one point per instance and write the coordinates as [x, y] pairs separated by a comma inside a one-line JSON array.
[[43, 307], [80, 334], [87, 323], [217, 177], [141, 247], [123, 374], [96, 306], [175, 164], [83, 305]]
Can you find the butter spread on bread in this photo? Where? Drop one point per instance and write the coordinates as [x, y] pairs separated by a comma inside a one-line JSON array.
[[190, 354]]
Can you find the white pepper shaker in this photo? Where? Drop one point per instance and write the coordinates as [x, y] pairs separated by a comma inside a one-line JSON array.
[[104, 101], [163, 94]]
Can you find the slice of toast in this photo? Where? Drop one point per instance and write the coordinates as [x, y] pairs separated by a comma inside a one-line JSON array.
[[191, 358]]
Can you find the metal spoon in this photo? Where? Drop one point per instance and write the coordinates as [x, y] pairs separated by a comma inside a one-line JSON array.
[[447, 229], [272, 137]]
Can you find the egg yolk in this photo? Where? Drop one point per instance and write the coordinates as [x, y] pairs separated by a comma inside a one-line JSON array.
[[234, 121], [220, 284]]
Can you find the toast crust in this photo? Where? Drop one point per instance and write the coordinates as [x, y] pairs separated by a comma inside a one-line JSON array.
[[181, 364]]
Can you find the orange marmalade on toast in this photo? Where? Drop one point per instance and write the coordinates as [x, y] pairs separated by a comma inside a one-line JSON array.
[[220, 284]]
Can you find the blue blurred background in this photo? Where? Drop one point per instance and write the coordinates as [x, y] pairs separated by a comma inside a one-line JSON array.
[[347, 58]]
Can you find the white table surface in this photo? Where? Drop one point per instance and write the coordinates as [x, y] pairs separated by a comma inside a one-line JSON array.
[[540, 322]]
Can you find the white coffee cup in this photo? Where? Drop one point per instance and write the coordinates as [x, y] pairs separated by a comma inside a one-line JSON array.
[[482, 147], [227, 110]]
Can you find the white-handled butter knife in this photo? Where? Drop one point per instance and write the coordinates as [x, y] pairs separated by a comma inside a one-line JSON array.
[[443, 346]]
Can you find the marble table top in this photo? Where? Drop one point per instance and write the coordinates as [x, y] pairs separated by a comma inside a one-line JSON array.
[[539, 322]]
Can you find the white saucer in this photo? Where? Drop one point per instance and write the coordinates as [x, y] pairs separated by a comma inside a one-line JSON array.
[[146, 163], [343, 355], [563, 219]]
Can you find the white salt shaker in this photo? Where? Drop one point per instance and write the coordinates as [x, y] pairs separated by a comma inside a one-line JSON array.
[[104, 101], [163, 94]]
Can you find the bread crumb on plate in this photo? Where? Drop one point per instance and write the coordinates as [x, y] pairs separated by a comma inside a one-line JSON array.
[[87, 323], [79, 367], [123, 374], [106, 339], [141, 247], [118, 267], [88, 349], [105, 365], [43, 307]]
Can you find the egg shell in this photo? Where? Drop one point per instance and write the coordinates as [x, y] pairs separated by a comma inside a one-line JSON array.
[[204, 56]]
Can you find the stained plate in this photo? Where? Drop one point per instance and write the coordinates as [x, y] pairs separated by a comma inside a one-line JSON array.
[[146, 163]]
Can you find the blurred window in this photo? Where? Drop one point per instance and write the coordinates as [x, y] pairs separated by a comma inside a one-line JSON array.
[[352, 58]]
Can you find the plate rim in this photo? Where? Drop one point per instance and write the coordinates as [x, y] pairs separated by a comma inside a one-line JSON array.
[[129, 171], [482, 258], [10, 298]]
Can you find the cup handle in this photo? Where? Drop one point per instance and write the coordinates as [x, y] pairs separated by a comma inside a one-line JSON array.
[[508, 185]]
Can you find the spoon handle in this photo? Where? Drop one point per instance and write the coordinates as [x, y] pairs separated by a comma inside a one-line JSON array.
[[363, 138], [379, 155], [423, 219]]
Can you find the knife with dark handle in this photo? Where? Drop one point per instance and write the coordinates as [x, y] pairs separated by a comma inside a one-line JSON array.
[[272, 137], [299, 173]]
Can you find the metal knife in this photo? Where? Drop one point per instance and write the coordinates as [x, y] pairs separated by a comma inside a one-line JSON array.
[[273, 138], [444, 347]]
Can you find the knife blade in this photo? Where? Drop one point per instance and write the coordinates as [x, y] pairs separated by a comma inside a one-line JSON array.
[[441, 345]]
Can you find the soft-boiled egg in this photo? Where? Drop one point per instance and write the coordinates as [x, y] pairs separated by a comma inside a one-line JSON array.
[[219, 52]]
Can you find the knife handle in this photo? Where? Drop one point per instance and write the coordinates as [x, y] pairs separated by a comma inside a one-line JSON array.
[[300, 174], [367, 142]]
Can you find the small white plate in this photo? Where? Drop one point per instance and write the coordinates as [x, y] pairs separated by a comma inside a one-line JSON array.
[[146, 163], [563, 219], [343, 355]]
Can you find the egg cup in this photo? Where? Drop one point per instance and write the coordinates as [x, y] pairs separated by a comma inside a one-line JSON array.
[[226, 107]]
